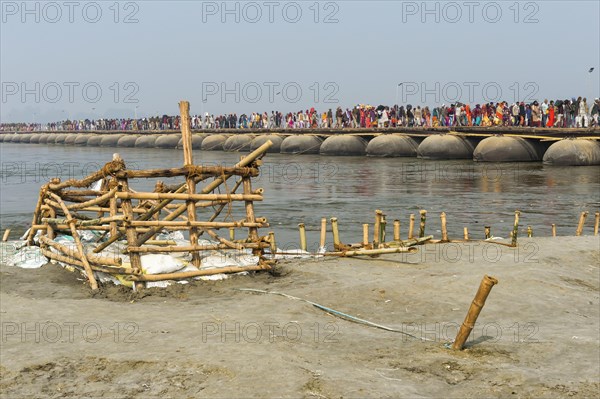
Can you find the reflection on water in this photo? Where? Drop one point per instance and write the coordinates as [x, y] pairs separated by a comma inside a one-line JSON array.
[[305, 188]]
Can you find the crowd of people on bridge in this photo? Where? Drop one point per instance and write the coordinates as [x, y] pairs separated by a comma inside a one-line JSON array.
[[574, 113]]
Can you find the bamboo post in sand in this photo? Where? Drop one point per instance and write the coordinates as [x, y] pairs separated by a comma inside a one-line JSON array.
[[365, 240], [515, 232], [5, 236], [382, 227], [529, 232], [487, 232], [596, 223], [250, 218], [582, 218], [444, 227], [302, 229], [377, 229], [336, 233], [422, 224], [323, 233], [465, 233], [75, 234], [397, 230], [186, 133], [467, 326], [553, 230], [411, 226]]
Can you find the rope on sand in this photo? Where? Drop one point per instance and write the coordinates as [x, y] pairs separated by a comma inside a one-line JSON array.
[[334, 312]]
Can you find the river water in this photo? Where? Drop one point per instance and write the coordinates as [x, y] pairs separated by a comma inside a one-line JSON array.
[[305, 188]]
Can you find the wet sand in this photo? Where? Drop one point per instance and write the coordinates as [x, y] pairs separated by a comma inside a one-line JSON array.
[[537, 335]]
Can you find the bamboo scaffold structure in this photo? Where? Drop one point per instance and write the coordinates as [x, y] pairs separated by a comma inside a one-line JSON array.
[[122, 213]]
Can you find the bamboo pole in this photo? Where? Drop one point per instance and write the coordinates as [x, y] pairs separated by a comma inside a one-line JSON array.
[[582, 218], [36, 213], [529, 232], [92, 258], [467, 326], [191, 248], [382, 233], [174, 223], [422, 225], [190, 196], [75, 234], [91, 222], [197, 273], [232, 233], [250, 217], [487, 232], [103, 198], [6, 234], [130, 231], [302, 229], [113, 208], [377, 251], [444, 227], [465, 233], [365, 240], [397, 230], [272, 242], [411, 242], [377, 229], [187, 169], [323, 232], [336, 234], [515, 232], [186, 133], [553, 230], [72, 261], [596, 223], [110, 168], [411, 226]]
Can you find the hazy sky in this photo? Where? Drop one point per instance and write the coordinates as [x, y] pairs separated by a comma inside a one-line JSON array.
[[81, 59]]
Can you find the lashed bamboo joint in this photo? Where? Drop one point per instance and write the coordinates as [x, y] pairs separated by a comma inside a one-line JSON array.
[[121, 213]]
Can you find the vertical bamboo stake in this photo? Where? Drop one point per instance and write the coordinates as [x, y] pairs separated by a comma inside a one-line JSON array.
[[232, 233], [186, 133], [377, 229], [273, 243], [112, 203], [553, 230], [467, 326], [50, 230], [411, 226], [323, 232], [488, 232], [382, 227], [422, 225], [36, 214], [465, 233], [5, 236], [515, 232], [302, 229], [252, 231], [336, 233], [529, 232], [365, 242], [597, 223], [397, 230], [582, 218], [444, 227], [75, 234]]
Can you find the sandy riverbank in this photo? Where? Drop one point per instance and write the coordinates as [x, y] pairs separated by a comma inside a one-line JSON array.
[[536, 337]]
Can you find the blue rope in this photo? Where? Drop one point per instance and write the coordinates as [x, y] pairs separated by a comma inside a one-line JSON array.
[[334, 312]]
